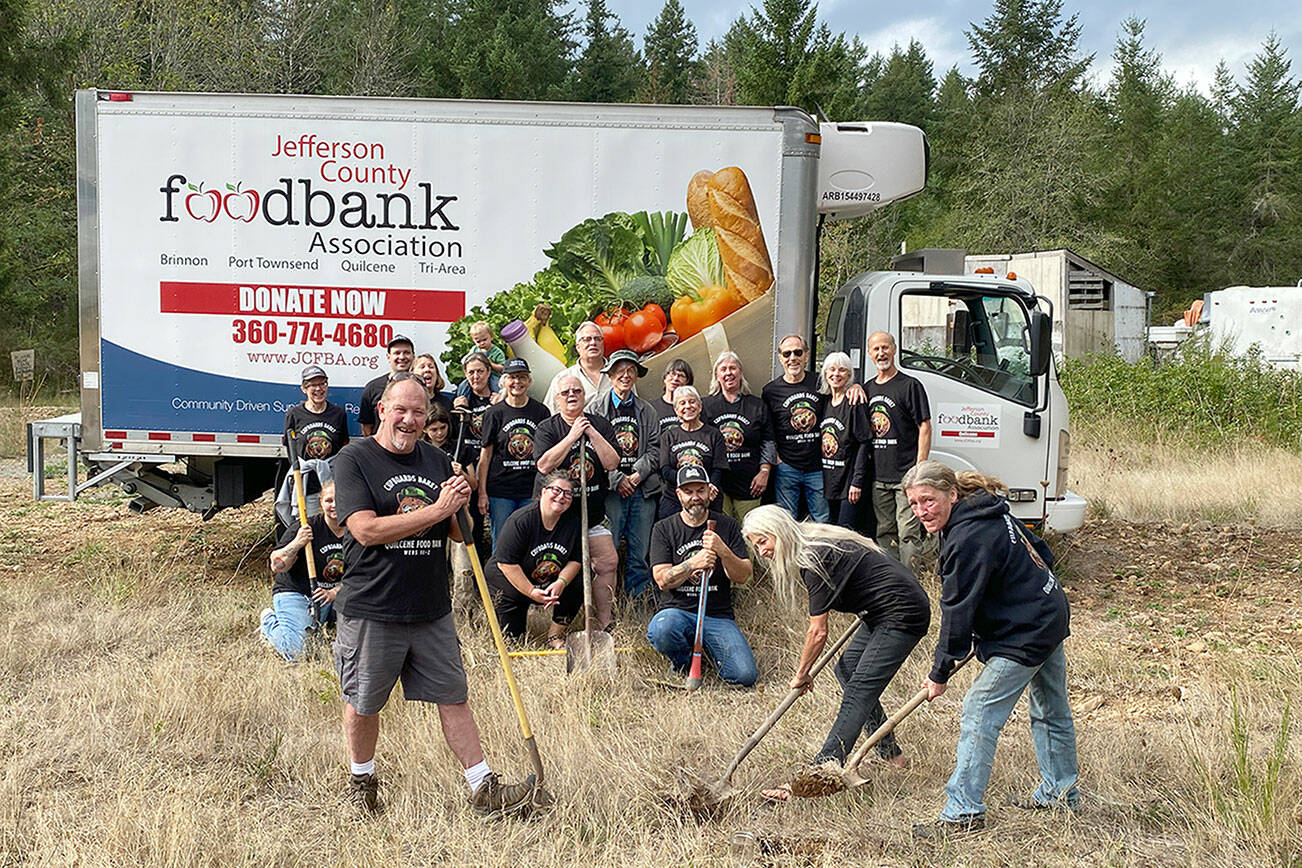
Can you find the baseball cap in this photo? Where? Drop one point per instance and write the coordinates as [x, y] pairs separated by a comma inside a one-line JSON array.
[[624, 356], [399, 339], [515, 366], [690, 473], [311, 372]]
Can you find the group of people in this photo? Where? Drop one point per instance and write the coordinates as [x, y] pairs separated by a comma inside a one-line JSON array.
[[679, 482]]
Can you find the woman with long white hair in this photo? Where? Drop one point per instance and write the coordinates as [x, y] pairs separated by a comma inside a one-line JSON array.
[[842, 570]]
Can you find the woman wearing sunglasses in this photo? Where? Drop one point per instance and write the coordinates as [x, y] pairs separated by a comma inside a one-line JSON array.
[[536, 561]]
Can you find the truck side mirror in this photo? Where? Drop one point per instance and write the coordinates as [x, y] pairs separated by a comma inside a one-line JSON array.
[[1041, 342]]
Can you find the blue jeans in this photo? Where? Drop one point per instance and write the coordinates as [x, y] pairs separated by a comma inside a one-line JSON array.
[[792, 482], [286, 625], [986, 708], [632, 517], [499, 510], [672, 632], [867, 665]]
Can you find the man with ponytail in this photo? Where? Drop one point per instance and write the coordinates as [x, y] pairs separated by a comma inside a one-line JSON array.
[[839, 569], [1000, 598]]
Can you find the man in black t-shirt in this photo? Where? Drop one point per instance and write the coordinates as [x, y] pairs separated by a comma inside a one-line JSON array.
[[402, 355], [557, 445], [397, 496], [686, 556], [320, 428], [796, 405], [901, 423]]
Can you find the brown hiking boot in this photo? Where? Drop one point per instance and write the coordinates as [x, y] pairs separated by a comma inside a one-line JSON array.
[[364, 792], [494, 797]]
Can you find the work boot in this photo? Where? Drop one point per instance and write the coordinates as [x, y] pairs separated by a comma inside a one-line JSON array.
[[364, 792], [940, 830], [1028, 803], [494, 797]]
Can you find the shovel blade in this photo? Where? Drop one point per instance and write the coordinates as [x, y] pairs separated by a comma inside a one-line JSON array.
[[602, 658]]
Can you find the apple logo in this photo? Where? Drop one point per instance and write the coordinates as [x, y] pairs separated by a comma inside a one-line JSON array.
[[245, 203], [207, 202]]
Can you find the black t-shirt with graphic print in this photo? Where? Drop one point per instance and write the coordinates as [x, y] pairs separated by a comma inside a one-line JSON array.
[[896, 408], [796, 409], [703, 447], [665, 413], [674, 541], [367, 414], [316, 435], [870, 583], [327, 551], [511, 432], [552, 431], [845, 435], [474, 433], [744, 424], [628, 434], [406, 580], [539, 552]]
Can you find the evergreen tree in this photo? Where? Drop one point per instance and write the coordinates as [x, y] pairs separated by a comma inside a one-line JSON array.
[[901, 88], [609, 69], [770, 47], [670, 50], [511, 49], [1026, 44], [716, 79], [1267, 147]]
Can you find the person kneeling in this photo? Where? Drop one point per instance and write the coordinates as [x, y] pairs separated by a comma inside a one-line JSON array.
[[285, 626], [536, 560], [688, 559]]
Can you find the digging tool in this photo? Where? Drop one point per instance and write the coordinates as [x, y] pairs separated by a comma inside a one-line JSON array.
[[693, 681], [707, 795], [589, 646], [541, 798], [850, 777], [556, 652], [313, 607]]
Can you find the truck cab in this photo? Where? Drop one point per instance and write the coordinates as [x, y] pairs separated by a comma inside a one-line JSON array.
[[981, 347]]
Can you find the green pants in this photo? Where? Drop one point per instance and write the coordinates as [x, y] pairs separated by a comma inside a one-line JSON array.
[[898, 530]]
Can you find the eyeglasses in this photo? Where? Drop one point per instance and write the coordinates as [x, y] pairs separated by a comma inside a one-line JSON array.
[[578, 391], [558, 492], [589, 339]]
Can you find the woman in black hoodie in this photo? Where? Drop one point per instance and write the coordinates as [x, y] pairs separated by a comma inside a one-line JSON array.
[[999, 595]]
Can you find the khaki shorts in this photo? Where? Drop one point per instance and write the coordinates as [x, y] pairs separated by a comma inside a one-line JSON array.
[[372, 655]]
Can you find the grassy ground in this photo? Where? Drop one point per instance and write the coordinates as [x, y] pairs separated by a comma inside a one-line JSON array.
[[142, 723]]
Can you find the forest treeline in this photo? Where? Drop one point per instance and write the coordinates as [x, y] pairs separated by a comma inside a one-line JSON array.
[[1178, 190]]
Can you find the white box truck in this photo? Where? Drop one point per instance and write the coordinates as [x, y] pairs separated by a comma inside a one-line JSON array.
[[226, 241]]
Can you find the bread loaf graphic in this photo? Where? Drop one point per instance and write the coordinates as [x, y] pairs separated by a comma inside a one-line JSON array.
[[746, 262], [698, 201]]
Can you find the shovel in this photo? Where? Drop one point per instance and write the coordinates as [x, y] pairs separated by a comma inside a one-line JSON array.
[[313, 606], [540, 797], [707, 795], [589, 648], [693, 681]]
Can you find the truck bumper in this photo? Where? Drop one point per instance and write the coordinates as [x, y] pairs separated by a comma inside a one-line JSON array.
[[1067, 513]]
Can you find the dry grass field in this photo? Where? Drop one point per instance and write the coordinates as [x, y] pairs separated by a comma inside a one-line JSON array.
[[143, 723]]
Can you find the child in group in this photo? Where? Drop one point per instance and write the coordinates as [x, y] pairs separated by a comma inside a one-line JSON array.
[[482, 334]]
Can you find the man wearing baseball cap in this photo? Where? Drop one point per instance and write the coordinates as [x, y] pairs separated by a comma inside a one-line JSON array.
[[402, 354], [320, 428], [635, 484], [687, 557]]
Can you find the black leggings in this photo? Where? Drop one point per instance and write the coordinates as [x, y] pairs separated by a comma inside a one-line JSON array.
[[512, 607]]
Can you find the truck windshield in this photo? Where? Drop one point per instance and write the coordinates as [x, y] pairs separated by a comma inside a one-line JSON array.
[[978, 338]]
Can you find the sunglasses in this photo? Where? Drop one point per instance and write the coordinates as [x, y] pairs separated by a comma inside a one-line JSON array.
[[558, 492], [788, 354]]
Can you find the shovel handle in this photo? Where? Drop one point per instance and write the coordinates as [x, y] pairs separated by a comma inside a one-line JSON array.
[[467, 534], [852, 764], [791, 698]]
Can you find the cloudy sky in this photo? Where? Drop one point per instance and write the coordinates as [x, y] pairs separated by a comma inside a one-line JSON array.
[[1192, 35]]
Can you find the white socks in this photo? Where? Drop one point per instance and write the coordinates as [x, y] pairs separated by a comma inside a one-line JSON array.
[[475, 774], [363, 769]]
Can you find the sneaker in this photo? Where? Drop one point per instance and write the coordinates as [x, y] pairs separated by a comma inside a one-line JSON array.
[[940, 830], [364, 792], [494, 797]]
